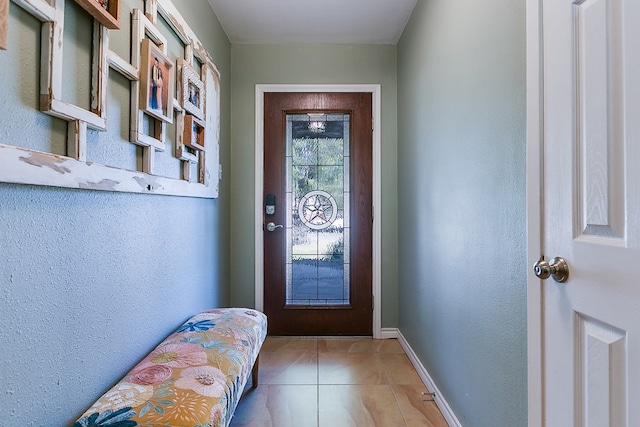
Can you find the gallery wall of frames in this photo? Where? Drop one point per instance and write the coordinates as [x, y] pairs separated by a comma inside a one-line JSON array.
[[174, 102]]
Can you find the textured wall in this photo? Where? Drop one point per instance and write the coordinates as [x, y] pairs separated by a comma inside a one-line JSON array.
[[461, 191], [304, 64], [91, 281]]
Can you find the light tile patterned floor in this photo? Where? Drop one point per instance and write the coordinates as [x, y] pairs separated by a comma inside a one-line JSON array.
[[339, 382]]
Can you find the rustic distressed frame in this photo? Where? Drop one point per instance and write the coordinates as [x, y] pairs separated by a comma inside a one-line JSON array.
[[25, 166], [209, 170], [109, 17], [142, 28], [189, 78]]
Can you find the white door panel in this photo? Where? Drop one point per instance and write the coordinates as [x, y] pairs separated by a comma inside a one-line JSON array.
[[591, 173]]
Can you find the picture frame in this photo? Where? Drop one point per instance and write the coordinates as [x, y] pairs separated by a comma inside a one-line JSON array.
[[193, 134], [106, 12], [193, 91], [4, 23], [157, 78]]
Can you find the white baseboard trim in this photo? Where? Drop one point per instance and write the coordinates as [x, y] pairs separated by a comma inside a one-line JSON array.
[[388, 333], [444, 407]]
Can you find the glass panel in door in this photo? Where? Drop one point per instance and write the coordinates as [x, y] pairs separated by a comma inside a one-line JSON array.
[[317, 209]]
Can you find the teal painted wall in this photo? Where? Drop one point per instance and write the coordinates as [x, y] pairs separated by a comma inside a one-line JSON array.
[[91, 281], [307, 64], [461, 195]]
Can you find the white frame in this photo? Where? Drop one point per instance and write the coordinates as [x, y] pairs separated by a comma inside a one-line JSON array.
[[375, 91], [24, 166], [188, 75], [142, 27], [535, 207], [209, 168]]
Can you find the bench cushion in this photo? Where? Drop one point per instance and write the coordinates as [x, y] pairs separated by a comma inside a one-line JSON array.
[[195, 377]]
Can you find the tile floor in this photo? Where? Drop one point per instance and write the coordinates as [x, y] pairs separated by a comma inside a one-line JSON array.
[[336, 382]]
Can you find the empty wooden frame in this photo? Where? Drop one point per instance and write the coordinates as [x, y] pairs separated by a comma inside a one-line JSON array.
[[106, 12]]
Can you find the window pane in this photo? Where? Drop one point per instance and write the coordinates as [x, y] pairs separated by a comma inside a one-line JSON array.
[[317, 205]]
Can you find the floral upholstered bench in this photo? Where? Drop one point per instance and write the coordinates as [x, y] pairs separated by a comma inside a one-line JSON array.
[[194, 378]]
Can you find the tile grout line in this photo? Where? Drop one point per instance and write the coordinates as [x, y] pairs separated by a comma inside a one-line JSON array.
[[390, 385], [391, 372], [395, 396]]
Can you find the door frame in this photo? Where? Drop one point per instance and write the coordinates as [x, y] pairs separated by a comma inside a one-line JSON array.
[[535, 209], [375, 91]]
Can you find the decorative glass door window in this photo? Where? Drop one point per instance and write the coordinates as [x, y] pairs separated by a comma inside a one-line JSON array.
[[317, 207]]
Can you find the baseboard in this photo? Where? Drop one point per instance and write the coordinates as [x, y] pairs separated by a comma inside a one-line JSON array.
[[444, 407], [388, 333]]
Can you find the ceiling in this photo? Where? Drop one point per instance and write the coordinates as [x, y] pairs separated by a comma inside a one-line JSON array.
[[311, 22]]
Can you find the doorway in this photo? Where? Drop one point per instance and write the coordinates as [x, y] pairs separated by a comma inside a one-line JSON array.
[[318, 210], [334, 118]]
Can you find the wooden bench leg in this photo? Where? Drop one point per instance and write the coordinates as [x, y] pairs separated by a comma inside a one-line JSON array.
[[254, 373]]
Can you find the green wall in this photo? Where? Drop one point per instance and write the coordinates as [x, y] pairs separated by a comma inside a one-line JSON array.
[[91, 281], [307, 64], [461, 192]]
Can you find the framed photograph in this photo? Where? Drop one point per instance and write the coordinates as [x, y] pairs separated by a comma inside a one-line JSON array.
[[157, 77], [193, 95], [193, 132], [106, 12]]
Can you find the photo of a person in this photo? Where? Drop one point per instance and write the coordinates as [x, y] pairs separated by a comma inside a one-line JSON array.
[[156, 86], [193, 132], [194, 136], [193, 90], [194, 95], [157, 82]]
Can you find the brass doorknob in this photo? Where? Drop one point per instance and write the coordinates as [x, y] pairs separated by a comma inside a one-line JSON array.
[[557, 268]]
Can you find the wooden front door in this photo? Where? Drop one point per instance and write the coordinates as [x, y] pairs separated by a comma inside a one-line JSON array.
[[591, 212], [318, 213]]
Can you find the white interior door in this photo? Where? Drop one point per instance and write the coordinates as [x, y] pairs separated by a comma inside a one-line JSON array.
[[591, 215]]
